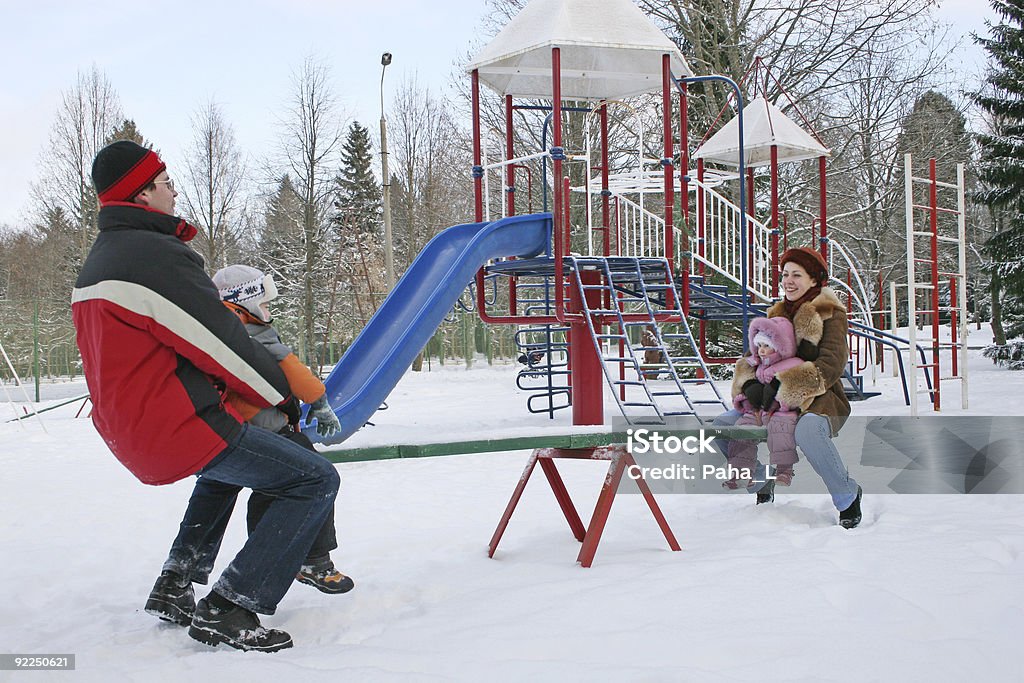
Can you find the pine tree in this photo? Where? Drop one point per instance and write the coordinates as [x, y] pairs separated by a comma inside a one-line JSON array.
[[1002, 155], [127, 130], [279, 252], [934, 129], [359, 193]]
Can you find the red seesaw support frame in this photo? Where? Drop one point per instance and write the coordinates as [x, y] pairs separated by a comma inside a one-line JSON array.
[[619, 459]]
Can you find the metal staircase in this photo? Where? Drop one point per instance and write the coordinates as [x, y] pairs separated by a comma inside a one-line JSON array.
[[640, 295], [718, 302]]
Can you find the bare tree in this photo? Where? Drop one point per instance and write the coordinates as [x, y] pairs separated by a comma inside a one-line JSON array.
[[311, 136], [430, 176], [89, 111], [214, 178], [431, 165], [810, 44]]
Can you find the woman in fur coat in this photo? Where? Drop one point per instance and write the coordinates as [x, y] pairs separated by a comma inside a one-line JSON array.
[[814, 387]]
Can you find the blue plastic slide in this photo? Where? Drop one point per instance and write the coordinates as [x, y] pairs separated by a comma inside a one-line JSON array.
[[407, 319]]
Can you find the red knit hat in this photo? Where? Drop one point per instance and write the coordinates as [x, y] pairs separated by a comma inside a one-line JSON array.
[[122, 169], [808, 259]]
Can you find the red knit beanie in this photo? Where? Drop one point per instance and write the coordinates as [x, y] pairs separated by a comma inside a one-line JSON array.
[[808, 259], [122, 169]]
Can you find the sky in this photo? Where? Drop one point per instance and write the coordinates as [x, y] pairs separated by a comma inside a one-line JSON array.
[[166, 60]]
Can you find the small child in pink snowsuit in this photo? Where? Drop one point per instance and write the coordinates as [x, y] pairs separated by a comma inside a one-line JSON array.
[[773, 350]]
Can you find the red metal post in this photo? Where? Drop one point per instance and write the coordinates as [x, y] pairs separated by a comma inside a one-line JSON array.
[[478, 185], [933, 200], [561, 248], [478, 180], [774, 172], [881, 318], [823, 203], [587, 385], [701, 218], [510, 182], [600, 516], [510, 172], [684, 189], [605, 199], [562, 496], [669, 152], [667, 167]]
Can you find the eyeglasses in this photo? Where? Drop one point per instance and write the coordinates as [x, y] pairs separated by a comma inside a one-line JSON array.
[[169, 183]]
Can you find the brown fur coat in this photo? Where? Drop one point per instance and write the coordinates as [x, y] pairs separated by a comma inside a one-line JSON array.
[[821, 337]]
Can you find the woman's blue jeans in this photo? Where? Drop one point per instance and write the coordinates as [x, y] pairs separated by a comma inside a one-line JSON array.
[[814, 439], [303, 486]]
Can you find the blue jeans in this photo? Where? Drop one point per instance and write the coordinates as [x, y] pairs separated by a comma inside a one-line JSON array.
[[813, 436], [303, 486]]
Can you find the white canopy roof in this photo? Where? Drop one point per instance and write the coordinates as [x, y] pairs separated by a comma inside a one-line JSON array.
[[764, 126], [609, 50]]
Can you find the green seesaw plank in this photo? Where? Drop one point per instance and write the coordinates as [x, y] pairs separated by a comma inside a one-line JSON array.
[[520, 443]]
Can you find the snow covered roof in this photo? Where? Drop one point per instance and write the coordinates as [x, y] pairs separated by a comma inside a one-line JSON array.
[[609, 50], [764, 125]]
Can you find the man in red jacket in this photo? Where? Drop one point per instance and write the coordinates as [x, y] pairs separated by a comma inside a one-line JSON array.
[[158, 349]]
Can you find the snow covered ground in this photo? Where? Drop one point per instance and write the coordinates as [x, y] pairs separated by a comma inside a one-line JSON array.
[[930, 587]]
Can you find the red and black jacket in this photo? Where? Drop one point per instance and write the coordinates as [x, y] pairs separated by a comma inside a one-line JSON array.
[[155, 341]]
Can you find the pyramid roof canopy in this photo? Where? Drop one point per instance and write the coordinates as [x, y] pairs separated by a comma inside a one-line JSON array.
[[609, 50], [764, 126]]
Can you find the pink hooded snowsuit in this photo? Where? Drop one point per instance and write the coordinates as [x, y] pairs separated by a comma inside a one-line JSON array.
[[780, 419]]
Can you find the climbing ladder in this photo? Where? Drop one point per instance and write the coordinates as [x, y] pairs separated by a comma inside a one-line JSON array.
[[955, 236], [640, 293]]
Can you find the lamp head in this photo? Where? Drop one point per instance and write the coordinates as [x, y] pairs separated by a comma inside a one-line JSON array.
[[385, 59]]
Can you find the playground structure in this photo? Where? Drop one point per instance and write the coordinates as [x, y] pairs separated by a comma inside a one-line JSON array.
[[600, 292], [730, 269]]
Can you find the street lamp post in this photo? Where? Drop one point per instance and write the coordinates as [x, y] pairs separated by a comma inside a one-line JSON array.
[[389, 256]]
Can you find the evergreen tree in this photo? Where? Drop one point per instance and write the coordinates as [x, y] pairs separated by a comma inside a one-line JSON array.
[[127, 130], [934, 129], [1002, 166], [278, 253], [1001, 169], [359, 194]]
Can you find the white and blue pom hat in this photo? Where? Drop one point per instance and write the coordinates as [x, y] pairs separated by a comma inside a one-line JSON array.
[[248, 287]]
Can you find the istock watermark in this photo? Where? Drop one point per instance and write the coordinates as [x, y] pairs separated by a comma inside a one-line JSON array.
[[652, 442], [885, 454], [642, 441]]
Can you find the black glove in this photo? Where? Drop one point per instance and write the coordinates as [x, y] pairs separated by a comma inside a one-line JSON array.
[[754, 391], [290, 407]]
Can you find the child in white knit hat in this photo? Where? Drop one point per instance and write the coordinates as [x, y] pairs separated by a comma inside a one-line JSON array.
[[248, 292]]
